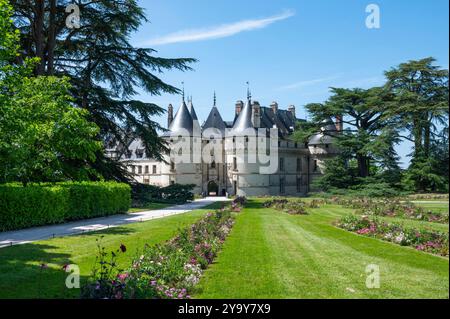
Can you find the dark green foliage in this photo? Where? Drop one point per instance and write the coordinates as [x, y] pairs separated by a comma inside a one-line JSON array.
[[421, 109], [35, 205], [412, 105], [143, 194], [105, 70], [43, 136]]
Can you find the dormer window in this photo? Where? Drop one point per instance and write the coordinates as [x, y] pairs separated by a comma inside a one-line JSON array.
[[139, 153]]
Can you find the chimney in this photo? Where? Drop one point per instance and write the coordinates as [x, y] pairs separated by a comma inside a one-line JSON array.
[[339, 123], [239, 106], [256, 114], [274, 106], [169, 115], [291, 109]]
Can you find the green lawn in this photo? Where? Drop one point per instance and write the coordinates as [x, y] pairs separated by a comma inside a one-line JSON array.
[[22, 277], [270, 254], [436, 207]]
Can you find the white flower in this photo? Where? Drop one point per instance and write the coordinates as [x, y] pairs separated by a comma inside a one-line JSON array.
[[400, 238]]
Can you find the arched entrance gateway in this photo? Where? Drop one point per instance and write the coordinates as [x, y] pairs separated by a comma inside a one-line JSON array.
[[213, 188]]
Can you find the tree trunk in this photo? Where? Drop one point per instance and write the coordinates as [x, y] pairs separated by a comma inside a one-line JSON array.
[[418, 137], [51, 41], [38, 35], [427, 136], [363, 165]]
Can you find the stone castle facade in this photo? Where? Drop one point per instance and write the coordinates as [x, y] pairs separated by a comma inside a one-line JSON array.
[[226, 147]]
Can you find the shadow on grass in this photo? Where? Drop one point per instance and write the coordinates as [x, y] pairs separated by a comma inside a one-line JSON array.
[[33, 271], [119, 230], [252, 204]]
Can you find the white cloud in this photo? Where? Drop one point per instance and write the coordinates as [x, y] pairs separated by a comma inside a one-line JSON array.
[[308, 83], [222, 31]]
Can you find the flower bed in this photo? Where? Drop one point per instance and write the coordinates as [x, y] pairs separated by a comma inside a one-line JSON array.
[[167, 271], [291, 206], [424, 240], [392, 208]]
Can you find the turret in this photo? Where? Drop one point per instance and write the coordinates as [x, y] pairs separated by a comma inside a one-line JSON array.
[[169, 115], [274, 107], [239, 107], [256, 114], [291, 109]]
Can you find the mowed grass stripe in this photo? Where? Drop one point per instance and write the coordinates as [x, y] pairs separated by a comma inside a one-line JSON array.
[[307, 257]]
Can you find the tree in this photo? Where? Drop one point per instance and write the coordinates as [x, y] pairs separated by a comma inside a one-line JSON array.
[[368, 136], [421, 108], [105, 70], [43, 137]]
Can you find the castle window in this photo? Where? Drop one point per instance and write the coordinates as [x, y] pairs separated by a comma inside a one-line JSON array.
[[281, 164], [128, 154], [180, 152], [213, 164], [139, 153], [146, 169], [133, 169], [326, 145], [139, 169], [299, 164], [234, 163], [299, 184], [316, 167], [154, 169], [172, 165]]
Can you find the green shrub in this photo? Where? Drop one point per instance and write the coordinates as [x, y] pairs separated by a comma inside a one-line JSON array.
[[143, 194], [36, 205]]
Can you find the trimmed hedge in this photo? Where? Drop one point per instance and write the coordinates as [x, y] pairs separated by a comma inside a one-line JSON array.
[[36, 205]]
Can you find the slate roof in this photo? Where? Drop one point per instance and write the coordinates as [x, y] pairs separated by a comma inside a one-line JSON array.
[[181, 122], [325, 136], [244, 119], [214, 120], [196, 125]]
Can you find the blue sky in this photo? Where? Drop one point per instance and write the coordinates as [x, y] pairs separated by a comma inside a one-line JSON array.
[[291, 51]]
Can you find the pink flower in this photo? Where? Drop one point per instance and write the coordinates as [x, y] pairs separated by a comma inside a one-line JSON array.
[[122, 277]]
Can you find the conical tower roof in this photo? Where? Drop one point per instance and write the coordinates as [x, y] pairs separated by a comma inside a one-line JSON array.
[[182, 122], [195, 122], [215, 121], [244, 120]]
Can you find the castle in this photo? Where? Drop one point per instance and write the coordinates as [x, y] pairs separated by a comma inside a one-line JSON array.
[[223, 157]]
